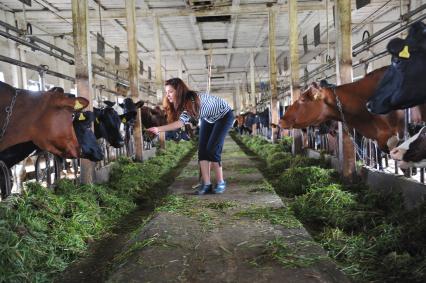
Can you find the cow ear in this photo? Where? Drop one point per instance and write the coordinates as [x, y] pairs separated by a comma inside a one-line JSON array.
[[139, 104], [77, 103], [395, 46], [316, 91], [80, 103], [56, 89], [109, 103]]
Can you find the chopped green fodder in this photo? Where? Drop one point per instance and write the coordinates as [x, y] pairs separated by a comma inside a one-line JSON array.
[[290, 255], [328, 205], [188, 172], [135, 246], [263, 187], [303, 161], [276, 216], [376, 239], [42, 231], [346, 249], [249, 170], [236, 153], [278, 163], [299, 180], [190, 207], [222, 205], [286, 143]]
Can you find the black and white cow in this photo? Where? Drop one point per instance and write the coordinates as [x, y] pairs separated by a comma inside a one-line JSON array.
[[403, 84], [412, 153], [107, 124]]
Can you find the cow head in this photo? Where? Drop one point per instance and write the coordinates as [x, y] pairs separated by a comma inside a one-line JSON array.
[[153, 117], [309, 109], [412, 150], [129, 110], [107, 126], [90, 149], [128, 105], [53, 130]]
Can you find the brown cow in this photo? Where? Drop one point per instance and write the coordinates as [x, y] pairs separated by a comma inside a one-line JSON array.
[[153, 117], [42, 117], [318, 104]]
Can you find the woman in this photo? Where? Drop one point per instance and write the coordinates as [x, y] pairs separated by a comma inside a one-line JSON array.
[[184, 106]]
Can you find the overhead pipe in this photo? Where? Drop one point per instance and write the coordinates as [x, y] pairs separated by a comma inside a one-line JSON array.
[[35, 68], [35, 39], [381, 31], [370, 43], [355, 53], [59, 75], [35, 46]]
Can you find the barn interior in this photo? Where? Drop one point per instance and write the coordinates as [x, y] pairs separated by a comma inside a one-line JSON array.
[[260, 56]]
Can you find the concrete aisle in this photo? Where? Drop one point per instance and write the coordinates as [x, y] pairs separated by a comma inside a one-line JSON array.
[[224, 238]]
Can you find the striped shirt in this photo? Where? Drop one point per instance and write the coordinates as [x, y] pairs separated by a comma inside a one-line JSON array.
[[212, 108]]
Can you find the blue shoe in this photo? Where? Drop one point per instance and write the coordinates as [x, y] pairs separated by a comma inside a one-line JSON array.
[[204, 189], [220, 188]]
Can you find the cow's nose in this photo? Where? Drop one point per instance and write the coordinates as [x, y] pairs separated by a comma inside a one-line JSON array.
[[397, 153]]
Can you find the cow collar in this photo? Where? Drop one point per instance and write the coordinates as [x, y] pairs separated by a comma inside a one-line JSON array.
[[344, 123], [9, 111]]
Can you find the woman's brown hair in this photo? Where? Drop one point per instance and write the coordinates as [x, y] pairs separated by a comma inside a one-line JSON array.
[[186, 100]]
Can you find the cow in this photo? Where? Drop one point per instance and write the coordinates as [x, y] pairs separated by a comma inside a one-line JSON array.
[[403, 85], [128, 118], [107, 124], [45, 118], [82, 124], [412, 152], [264, 123], [318, 104], [245, 121]]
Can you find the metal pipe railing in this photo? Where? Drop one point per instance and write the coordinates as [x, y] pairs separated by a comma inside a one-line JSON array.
[[35, 68], [35, 46], [381, 39], [406, 16]]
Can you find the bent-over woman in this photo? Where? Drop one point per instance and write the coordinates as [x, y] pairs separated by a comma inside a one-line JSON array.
[[184, 106]]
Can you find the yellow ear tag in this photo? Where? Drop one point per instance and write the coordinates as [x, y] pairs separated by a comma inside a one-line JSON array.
[[81, 117], [78, 105], [124, 120], [97, 120], [404, 53]]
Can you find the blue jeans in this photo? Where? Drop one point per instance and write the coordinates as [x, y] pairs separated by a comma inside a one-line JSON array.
[[212, 137]]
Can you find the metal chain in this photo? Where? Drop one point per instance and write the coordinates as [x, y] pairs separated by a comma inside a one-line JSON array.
[[9, 111], [344, 124]]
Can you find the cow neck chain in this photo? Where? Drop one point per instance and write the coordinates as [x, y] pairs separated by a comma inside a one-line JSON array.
[[344, 124], [9, 111]]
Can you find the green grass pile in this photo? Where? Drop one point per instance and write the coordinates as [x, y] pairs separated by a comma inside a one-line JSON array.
[[370, 234], [42, 231], [327, 205], [299, 180]]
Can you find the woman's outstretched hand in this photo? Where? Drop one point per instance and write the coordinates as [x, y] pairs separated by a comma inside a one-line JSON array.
[[153, 130]]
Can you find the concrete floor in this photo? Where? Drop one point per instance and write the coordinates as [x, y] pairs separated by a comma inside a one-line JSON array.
[[211, 239]]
